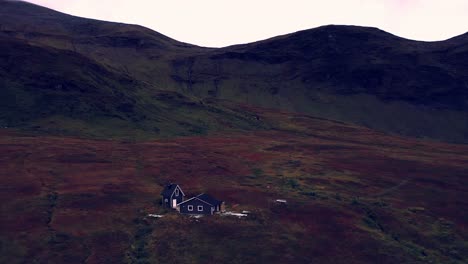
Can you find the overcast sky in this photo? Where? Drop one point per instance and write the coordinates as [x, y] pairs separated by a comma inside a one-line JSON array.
[[217, 23]]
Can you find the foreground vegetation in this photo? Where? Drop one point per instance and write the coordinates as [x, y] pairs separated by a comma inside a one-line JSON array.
[[353, 196]]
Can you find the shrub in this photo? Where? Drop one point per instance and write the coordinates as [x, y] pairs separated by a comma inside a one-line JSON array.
[[293, 183], [257, 172], [309, 193]]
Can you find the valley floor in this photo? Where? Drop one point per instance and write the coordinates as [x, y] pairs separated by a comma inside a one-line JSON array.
[[354, 196]]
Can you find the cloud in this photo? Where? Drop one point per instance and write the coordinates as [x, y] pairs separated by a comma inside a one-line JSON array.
[[404, 4]]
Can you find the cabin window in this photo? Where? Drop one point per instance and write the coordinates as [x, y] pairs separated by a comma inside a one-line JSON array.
[[190, 207], [177, 192], [200, 208]]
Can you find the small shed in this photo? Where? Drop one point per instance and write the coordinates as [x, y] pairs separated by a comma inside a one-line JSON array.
[[172, 195]]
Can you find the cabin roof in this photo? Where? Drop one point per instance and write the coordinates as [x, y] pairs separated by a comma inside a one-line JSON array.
[[194, 198], [209, 199], [169, 189]]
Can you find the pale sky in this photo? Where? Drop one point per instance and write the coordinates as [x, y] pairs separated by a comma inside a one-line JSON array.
[[217, 23]]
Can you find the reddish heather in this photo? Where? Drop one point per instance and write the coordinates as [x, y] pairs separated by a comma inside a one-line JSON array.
[[331, 174]]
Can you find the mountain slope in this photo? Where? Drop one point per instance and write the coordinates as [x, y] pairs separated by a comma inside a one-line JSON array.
[[62, 92], [352, 74]]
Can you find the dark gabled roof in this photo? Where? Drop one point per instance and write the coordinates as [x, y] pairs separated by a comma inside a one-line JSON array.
[[194, 198], [209, 199], [169, 189]]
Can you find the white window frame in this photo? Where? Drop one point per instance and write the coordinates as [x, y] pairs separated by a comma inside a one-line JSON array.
[[177, 192], [198, 208], [190, 207]]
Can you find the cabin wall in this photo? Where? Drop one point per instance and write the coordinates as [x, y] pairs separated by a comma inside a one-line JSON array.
[[165, 203], [219, 207], [206, 209], [179, 198]]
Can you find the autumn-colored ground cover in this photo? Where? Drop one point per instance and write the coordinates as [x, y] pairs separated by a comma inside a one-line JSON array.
[[354, 195]]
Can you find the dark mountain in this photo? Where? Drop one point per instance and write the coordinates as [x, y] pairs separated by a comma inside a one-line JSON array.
[[52, 89], [353, 74]]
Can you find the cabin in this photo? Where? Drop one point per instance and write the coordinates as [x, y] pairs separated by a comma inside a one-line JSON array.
[[219, 205], [202, 204], [171, 196]]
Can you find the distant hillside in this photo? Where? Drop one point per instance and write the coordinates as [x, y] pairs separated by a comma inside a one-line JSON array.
[[62, 92], [352, 74]]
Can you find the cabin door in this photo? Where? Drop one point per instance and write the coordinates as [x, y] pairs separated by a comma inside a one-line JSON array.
[[174, 203]]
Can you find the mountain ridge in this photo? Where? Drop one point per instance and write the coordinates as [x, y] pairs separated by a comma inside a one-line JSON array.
[[353, 74], [48, 11]]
